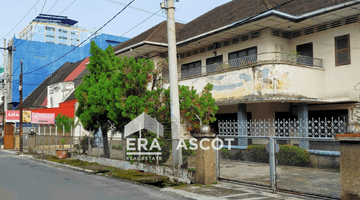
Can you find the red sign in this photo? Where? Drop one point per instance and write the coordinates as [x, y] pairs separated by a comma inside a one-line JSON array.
[[1, 120], [14, 116], [42, 118]]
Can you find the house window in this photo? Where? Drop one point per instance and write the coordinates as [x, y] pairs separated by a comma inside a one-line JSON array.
[[191, 69], [342, 50], [212, 64], [306, 52], [243, 57], [216, 59], [243, 53]]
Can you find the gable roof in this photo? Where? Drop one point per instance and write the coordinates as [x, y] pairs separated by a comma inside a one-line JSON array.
[[157, 34], [77, 81], [37, 97], [230, 14], [237, 10]]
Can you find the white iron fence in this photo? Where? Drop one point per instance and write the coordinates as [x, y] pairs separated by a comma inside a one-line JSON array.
[[314, 128]]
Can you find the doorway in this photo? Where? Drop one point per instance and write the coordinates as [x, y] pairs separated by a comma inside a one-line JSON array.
[[9, 136]]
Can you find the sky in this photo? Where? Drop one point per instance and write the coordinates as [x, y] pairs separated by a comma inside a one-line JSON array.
[[92, 14]]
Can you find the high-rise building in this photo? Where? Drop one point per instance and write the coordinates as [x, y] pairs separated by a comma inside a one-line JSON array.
[[44, 45], [55, 29]]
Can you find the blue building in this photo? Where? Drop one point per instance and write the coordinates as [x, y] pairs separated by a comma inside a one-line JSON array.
[[55, 29], [41, 58]]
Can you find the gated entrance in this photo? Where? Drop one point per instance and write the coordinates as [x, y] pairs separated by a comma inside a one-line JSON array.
[[9, 136], [292, 155]]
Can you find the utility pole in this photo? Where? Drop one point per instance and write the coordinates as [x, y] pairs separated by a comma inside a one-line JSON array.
[[3, 116], [21, 107], [7, 69], [3, 88], [174, 85]]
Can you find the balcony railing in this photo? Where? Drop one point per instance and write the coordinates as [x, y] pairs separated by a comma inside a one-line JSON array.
[[262, 58]]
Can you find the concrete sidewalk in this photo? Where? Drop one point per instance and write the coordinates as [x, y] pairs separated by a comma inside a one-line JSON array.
[[229, 191]]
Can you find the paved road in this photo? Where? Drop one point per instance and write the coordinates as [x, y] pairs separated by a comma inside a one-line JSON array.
[[24, 179]]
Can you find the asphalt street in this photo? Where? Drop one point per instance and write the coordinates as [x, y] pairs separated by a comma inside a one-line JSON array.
[[25, 179]]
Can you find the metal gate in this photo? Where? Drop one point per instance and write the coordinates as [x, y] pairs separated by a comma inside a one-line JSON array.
[[289, 155]]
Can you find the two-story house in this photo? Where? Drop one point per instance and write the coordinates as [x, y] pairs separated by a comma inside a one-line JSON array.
[[267, 59]]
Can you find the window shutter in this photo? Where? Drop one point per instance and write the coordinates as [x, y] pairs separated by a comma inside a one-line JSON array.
[[342, 50]]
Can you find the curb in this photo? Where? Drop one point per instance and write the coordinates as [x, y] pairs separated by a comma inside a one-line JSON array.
[[58, 164], [11, 152]]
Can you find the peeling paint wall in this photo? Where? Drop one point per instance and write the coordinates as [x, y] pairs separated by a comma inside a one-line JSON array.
[[262, 80], [332, 83]]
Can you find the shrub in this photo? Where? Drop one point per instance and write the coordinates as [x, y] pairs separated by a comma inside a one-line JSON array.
[[258, 153], [288, 155], [225, 154], [293, 155]]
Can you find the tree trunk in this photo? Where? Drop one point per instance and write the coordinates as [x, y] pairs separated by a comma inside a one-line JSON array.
[[105, 143]]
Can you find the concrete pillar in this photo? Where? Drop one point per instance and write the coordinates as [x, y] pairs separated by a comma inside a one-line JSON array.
[[205, 161], [349, 165], [241, 118], [303, 115]]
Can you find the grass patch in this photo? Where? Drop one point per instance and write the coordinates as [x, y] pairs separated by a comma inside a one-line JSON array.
[[131, 175], [191, 169], [72, 162], [144, 178], [51, 157]]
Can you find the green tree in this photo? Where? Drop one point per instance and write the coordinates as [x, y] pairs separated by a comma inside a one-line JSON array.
[[63, 124], [94, 94], [118, 90]]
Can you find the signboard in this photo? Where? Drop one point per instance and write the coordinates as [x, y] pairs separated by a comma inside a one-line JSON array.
[[14, 116], [1, 120], [42, 118]]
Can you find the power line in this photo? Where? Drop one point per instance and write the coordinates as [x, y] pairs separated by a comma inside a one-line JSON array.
[[153, 14], [142, 10], [67, 7], [20, 20], [32, 36], [52, 6], [84, 40], [44, 26], [137, 25]]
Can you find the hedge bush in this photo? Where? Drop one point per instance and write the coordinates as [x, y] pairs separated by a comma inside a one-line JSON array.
[[258, 153], [288, 155]]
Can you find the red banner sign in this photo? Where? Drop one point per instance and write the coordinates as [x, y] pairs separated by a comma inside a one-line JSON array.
[[14, 116], [42, 118]]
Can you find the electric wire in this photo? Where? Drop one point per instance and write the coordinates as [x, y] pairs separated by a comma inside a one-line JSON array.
[[82, 41], [52, 6], [20, 20], [149, 57], [136, 25], [44, 26], [67, 7], [153, 14], [32, 36]]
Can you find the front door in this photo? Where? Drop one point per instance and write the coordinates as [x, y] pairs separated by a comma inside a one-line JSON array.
[[9, 136]]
